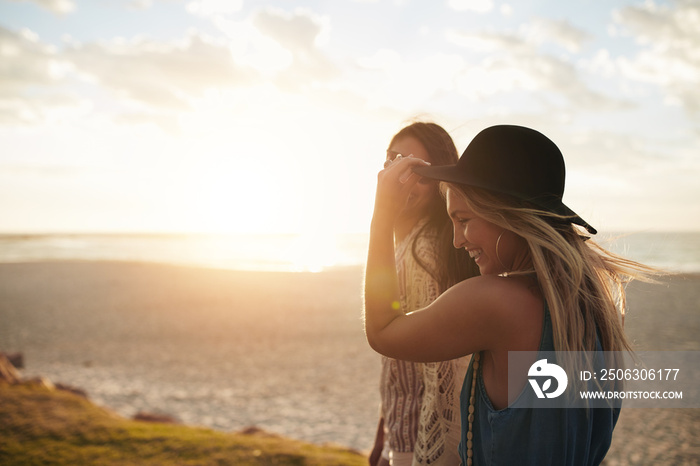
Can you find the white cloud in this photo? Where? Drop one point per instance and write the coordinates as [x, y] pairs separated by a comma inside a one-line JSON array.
[[25, 60], [31, 76], [669, 37], [623, 176], [155, 80], [214, 7], [507, 63], [601, 64], [478, 6], [160, 74], [140, 4], [562, 33], [56, 6], [299, 31], [506, 9], [484, 42], [280, 44]]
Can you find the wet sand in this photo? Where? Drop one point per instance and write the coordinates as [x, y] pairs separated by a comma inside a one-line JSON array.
[[282, 351]]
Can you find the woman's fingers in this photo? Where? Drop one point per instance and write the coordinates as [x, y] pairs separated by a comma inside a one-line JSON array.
[[395, 183], [403, 165], [405, 168]]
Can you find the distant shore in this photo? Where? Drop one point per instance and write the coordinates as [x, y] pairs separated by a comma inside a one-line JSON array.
[[282, 351]]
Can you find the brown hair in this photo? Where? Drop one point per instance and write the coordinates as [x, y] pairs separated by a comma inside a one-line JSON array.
[[454, 265]]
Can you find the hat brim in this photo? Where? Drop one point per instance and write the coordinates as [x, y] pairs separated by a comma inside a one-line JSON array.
[[449, 174]]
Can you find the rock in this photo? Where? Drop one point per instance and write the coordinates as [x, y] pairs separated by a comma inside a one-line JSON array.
[[154, 417], [255, 430], [8, 372], [41, 382], [71, 389], [17, 359]]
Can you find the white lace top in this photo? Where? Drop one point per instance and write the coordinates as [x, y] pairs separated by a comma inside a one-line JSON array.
[[420, 401]]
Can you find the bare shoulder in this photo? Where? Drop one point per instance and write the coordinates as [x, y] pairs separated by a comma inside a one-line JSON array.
[[506, 309], [498, 291]]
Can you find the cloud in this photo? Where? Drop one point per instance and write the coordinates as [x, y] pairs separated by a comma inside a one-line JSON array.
[[56, 6], [214, 7], [286, 48], [511, 63], [298, 31], [301, 33], [25, 60], [140, 4], [31, 77], [154, 81], [483, 42], [606, 153], [478, 6], [561, 33], [623, 175], [669, 37], [163, 75]]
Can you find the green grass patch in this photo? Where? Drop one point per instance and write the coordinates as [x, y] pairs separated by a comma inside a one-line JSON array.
[[52, 427]]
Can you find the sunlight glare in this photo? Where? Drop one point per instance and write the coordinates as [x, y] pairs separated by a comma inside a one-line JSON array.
[[313, 253]]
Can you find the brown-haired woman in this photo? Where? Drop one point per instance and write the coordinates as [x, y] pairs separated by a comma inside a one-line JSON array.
[[419, 420]]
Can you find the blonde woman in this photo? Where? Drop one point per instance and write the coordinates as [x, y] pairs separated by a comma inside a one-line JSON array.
[[544, 286], [419, 419]]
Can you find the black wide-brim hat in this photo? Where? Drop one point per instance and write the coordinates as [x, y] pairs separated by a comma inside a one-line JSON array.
[[516, 161]]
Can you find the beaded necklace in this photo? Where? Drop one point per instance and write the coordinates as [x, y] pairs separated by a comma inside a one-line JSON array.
[[470, 432]]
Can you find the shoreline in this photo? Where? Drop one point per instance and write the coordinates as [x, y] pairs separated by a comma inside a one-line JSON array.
[[283, 351]]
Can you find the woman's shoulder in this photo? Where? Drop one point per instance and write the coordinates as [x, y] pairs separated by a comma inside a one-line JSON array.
[[499, 294], [497, 284], [492, 313]]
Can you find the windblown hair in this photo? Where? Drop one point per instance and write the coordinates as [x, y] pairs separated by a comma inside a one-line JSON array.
[[582, 283], [455, 264]]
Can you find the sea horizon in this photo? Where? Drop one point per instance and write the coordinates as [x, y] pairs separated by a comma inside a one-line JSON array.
[[673, 251]]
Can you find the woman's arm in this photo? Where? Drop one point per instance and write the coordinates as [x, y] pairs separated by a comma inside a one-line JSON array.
[[381, 291], [482, 313]]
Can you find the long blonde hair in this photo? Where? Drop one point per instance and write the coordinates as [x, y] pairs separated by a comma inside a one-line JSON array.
[[582, 283]]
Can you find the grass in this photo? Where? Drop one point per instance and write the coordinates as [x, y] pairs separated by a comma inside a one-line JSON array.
[[39, 426]]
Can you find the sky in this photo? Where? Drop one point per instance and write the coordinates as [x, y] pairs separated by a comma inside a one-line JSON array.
[[245, 116]]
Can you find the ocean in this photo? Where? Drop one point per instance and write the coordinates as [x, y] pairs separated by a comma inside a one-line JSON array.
[[672, 251], [262, 252]]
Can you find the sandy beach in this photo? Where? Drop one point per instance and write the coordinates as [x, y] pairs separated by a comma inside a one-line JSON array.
[[282, 351]]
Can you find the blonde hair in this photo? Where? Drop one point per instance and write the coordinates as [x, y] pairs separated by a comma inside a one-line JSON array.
[[581, 282]]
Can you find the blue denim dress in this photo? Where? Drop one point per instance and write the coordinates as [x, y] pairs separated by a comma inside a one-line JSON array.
[[534, 436]]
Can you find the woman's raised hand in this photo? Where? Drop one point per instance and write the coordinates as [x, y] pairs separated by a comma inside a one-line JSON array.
[[394, 184]]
